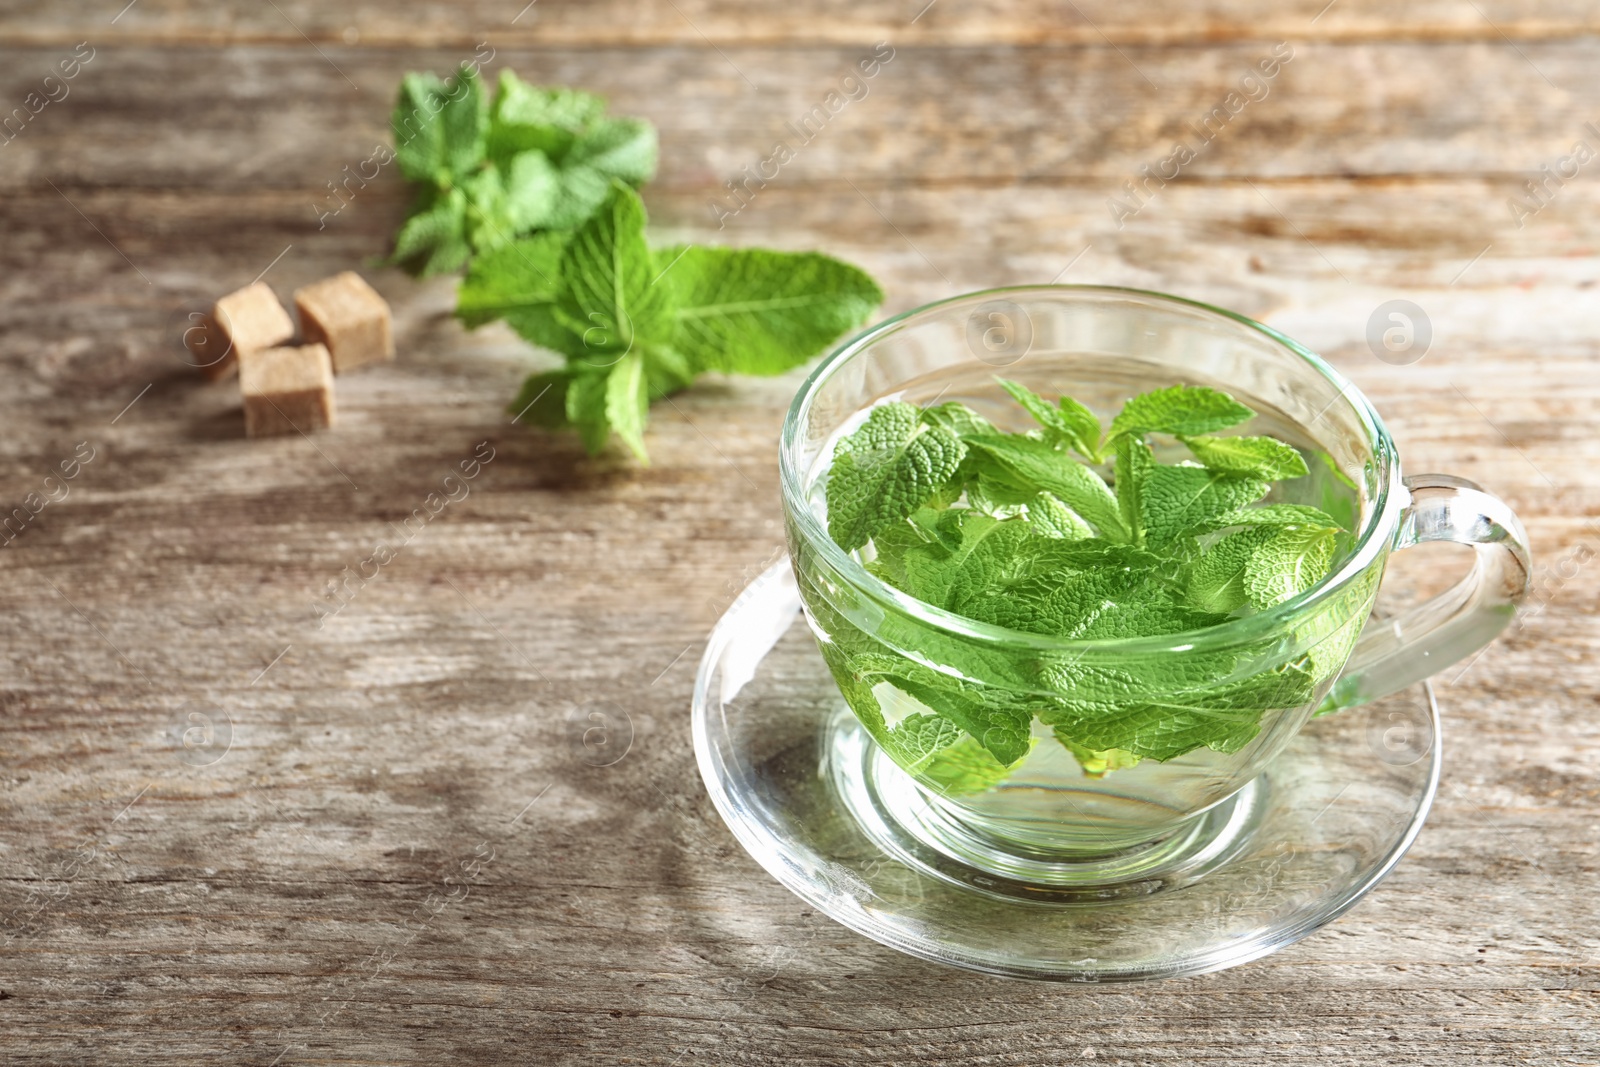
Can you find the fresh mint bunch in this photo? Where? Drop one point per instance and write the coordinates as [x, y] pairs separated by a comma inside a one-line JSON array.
[[636, 323], [536, 189], [489, 172], [1077, 532]]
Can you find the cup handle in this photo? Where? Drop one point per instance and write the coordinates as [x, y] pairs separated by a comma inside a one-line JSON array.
[[1396, 652]]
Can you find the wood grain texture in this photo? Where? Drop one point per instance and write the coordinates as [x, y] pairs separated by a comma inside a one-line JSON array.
[[304, 900], [168, 117], [700, 22]]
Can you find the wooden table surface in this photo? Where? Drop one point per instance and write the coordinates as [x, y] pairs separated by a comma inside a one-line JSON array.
[[403, 853]]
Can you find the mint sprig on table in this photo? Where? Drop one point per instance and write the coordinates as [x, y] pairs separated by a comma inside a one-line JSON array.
[[536, 190], [1076, 532], [637, 323]]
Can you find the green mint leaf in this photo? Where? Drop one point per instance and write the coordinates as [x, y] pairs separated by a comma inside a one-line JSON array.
[[522, 283], [856, 685], [1052, 518], [890, 547], [1022, 579], [995, 558], [917, 739], [418, 133], [958, 419], [1291, 560], [610, 298], [1147, 607], [754, 311], [439, 127], [1261, 457], [966, 769], [439, 131], [583, 191], [1035, 463], [616, 150], [522, 104], [1135, 461], [1163, 731], [1261, 565], [885, 470], [1223, 717], [667, 370], [925, 567], [433, 240], [535, 159], [1083, 590], [1329, 633], [542, 400], [628, 401], [528, 118], [464, 122], [1096, 764], [1083, 428], [1043, 412], [1044, 604], [1106, 686], [991, 490], [1068, 423], [1277, 515], [1330, 483], [620, 148], [1182, 410], [484, 221], [1217, 580], [993, 718], [1001, 729], [1178, 500], [1024, 604], [531, 186], [587, 401], [931, 570], [563, 133], [937, 524]]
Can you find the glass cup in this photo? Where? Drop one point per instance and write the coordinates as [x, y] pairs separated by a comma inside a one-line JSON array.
[[1084, 814]]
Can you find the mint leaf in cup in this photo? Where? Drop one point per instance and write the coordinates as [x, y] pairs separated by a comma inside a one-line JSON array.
[[1178, 500], [1035, 465], [1067, 421], [1182, 410], [887, 469], [1292, 560], [1263, 457]]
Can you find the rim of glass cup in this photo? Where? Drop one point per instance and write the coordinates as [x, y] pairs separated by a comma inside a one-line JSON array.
[[1375, 533]]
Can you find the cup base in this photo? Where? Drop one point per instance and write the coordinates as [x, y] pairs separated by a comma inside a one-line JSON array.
[[801, 789], [900, 818]]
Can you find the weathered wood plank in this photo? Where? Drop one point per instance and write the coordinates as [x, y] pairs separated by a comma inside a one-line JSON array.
[[273, 117], [571, 22]]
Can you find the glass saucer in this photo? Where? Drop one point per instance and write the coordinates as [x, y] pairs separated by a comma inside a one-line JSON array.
[[800, 786]]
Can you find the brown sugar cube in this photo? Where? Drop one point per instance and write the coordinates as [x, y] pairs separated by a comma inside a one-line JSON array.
[[286, 389], [346, 314], [245, 320], [212, 356]]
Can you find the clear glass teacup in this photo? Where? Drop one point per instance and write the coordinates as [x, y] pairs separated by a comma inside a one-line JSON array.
[[899, 661]]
